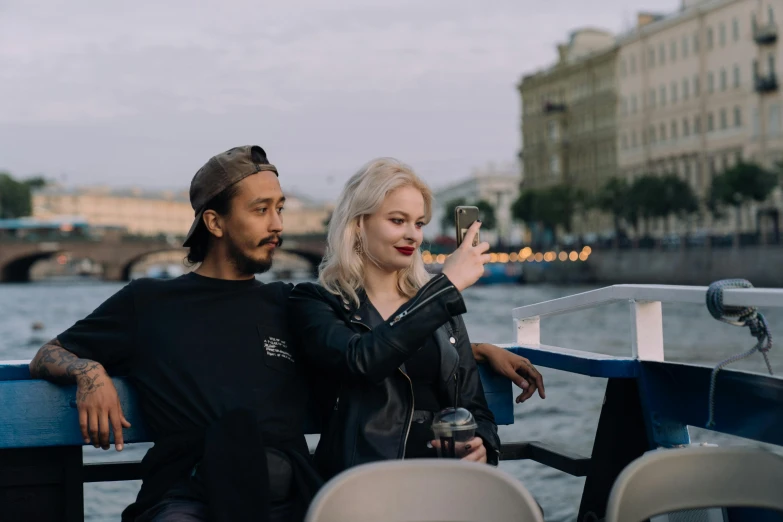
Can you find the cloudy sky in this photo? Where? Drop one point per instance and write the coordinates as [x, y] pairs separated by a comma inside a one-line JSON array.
[[142, 93]]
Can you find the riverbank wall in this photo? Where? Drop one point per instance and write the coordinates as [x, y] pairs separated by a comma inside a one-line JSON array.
[[762, 266]]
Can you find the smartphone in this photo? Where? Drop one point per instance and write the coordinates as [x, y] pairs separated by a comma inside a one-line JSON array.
[[464, 217]]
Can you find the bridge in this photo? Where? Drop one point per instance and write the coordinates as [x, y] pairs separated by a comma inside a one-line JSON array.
[[118, 256]]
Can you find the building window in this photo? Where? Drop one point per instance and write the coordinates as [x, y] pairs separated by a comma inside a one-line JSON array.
[[710, 122], [696, 42], [686, 128], [622, 68], [771, 62], [624, 144], [673, 90], [651, 99], [774, 119], [674, 130], [673, 50], [771, 14], [633, 104], [735, 29], [685, 89], [724, 120], [709, 38], [736, 76], [756, 124], [697, 125], [662, 54], [651, 134], [723, 80], [553, 131], [663, 132], [663, 95], [696, 86], [650, 57], [737, 117], [633, 139], [554, 165], [633, 63], [684, 46], [722, 35], [710, 83]]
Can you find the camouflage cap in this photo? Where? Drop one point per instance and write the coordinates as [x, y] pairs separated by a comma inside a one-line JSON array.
[[219, 173]]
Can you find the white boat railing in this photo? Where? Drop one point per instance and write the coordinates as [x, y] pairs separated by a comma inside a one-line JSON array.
[[646, 310]]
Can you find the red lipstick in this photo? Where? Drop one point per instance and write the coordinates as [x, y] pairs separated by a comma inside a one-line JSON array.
[[406, 251]]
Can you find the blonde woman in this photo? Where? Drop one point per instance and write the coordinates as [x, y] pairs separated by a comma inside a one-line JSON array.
[[383, 341]]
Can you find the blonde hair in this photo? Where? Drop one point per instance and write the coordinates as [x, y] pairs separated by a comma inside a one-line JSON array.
[[342, 270]]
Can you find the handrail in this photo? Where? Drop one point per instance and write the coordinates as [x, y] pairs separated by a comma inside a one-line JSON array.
[[646, 311], [662, 293]]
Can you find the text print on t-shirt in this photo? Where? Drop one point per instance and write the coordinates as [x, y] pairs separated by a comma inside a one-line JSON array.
[[277, 348]]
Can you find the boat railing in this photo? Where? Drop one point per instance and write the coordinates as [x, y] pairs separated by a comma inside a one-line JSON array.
[[645, 307]]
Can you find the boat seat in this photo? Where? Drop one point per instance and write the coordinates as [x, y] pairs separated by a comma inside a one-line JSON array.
[[671, 480], [424, 490]]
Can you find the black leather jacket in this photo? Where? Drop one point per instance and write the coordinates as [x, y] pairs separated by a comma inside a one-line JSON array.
[[364, 395]]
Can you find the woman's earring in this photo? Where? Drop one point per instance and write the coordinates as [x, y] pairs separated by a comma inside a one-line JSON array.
[[357, 248]]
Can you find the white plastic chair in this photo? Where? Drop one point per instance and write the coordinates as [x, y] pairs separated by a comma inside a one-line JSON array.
[[671, 480], [424, 490]]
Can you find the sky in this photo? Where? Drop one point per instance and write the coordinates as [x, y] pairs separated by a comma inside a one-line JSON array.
[[143, 93]]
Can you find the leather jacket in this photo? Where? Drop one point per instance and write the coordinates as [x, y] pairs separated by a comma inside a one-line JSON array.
[[358, 375]]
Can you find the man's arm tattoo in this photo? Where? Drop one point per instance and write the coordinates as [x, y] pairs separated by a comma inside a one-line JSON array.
[[56, 364]]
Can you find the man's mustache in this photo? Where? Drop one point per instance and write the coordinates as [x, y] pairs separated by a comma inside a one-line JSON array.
[[272, 239]]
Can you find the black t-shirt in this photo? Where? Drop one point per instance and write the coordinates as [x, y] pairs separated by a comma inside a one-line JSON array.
[[195, 348]]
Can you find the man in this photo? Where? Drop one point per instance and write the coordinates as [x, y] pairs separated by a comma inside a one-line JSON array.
[[212, 361]]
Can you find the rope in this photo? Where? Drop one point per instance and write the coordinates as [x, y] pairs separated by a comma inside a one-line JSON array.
[[737, 316]]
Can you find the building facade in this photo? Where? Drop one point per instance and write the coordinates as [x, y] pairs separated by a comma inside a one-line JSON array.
[[498, 186], [153, 213], [698, 91], [568, 115]]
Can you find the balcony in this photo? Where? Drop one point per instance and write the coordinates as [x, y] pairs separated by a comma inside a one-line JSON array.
[[768, 83], [765, 34], [554, 107]]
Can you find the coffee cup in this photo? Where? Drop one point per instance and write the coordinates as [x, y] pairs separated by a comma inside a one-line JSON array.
[[453, 429]]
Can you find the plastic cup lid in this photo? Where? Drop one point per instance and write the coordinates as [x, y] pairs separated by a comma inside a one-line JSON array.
[[454, 419]]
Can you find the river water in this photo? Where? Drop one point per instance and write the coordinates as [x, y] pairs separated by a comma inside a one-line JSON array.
[[568, 417]]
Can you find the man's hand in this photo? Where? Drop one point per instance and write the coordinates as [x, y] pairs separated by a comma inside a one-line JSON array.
[[96, 398], [99, 407], [512, 366]]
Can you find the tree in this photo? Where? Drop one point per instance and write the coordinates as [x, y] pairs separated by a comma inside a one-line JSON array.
[[680, 198], [738, 186], [613, 199], [486, 214], [644, 200], [551, 207], [447, 220], [16, 196], [523, 209]]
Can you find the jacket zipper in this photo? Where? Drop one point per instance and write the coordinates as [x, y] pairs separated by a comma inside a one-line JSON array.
[[410, 417], [419, 305]]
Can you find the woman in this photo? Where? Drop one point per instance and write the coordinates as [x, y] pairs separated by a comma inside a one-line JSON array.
[[387, 343]]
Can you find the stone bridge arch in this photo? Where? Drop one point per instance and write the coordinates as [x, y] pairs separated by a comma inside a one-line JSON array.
[[125, 267], [17, 270], [119, 256]]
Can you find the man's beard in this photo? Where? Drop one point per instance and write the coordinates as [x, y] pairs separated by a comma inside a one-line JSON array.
[[246, 265]]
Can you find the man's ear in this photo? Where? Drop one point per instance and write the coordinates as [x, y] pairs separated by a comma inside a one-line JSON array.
[[213, 222]]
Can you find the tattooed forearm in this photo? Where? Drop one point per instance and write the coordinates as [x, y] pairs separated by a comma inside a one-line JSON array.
[[56, 364], [88, 385]]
